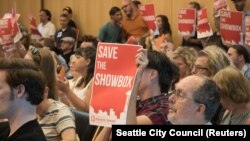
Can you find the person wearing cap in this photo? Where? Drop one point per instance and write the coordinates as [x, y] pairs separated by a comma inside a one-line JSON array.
[[67, 46], [65, 30]]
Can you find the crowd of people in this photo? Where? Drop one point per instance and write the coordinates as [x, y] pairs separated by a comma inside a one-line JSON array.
[[200, 82]]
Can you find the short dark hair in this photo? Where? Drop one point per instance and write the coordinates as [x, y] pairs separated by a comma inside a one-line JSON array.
[[25, 72], [208, 94], [137, 3], [164, 67], [114, 10], [47, 12], [241, 50], [196, 5]]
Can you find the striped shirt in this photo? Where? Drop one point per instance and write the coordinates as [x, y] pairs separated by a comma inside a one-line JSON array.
[[58, 118]]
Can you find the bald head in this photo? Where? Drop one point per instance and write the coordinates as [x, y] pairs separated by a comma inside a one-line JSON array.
[[192, 83]]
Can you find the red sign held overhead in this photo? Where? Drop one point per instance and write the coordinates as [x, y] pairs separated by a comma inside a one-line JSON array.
[[218, 5], [203, 27], [231, 27], [186, 21], [114, 76], [35, 34], [6, 34], [148, 13]]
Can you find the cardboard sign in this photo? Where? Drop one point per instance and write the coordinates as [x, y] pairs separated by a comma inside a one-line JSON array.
[[247, 26], [35, 34], [186, 21], [231, 27], [148, 13], [203, 27], [218, 5], [114, 76], [6, 34]]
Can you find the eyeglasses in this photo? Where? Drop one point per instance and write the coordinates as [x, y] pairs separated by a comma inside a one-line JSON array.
[[34, 50], [179, 95], [199, 68]]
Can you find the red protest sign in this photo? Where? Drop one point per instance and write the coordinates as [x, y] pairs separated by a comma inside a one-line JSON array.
[[148, 13], [14, 20], [203, 27], [6, 34], [218, 5], [113, 81], [35, 34], [247, 26], [231, 27], [186, 21]]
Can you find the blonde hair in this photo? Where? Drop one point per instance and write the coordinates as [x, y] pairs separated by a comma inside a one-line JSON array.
[[217, 59], [233, 85], [189, 56]]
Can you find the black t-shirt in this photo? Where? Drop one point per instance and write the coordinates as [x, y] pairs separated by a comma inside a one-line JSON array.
[[30, 131], [4, 130], [72, 24]]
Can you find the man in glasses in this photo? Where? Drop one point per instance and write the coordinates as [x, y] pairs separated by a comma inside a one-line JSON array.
[[194, 101]]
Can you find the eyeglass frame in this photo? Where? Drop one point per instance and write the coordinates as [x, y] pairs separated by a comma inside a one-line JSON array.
[[199, 68], [34, 50], [177, 95]]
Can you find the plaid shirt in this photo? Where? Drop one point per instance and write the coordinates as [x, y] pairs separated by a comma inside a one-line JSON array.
[[155, 108]]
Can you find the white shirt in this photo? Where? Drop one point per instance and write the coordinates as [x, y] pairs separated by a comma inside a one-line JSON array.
[[47, 30]]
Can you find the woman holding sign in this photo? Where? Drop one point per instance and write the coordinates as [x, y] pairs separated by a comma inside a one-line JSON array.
[[82, 63]]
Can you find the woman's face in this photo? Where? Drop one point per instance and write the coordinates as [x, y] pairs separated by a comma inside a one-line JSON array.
[[158, 22], [183, 67], [79, 64]]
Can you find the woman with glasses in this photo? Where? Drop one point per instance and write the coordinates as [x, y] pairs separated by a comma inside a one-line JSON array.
[[210, 60]]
